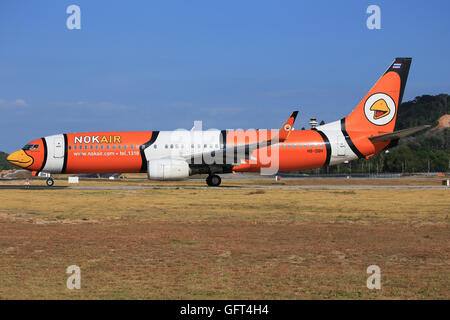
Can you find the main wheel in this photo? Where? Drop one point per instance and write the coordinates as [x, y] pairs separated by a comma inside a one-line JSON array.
[[50, 182], [213, 180]]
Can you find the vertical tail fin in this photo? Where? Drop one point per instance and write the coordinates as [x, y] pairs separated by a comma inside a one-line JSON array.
[[377, 112]]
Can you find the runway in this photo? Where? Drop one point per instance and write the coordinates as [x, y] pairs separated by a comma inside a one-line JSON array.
[[268, 187]]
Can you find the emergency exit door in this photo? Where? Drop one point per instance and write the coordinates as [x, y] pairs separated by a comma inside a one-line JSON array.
[[341, 146], [59, 147]]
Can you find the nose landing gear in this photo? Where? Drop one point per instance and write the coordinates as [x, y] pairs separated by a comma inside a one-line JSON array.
[[213, 180]]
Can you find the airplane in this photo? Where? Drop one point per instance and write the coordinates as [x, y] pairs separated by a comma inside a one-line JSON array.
[[176, 155]]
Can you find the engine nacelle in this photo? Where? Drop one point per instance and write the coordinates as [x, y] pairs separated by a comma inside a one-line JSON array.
[[167, 169]]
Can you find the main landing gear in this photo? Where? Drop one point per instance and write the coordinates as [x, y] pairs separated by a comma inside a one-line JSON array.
[[213, 180], [50, 182]]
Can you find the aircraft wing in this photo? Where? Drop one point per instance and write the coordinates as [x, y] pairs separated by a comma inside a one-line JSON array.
[[234, 154], [398, 134]]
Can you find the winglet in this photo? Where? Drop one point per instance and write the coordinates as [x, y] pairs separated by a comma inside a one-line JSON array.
[[287, 127]]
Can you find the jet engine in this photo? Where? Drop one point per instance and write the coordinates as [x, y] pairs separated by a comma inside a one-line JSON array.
[[167, 169]]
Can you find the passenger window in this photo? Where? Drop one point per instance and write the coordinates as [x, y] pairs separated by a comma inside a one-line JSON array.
[[125, 146], [107, 147], [192, 146], [171, 146], [101, 147], [85, 147], [92, 147], [119, 146], [205, 146], [154, 146], [166, 146]]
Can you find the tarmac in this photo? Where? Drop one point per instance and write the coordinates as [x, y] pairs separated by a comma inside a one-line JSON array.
[[270, 187]]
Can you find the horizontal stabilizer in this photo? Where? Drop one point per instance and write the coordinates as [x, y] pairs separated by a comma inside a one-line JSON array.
[[397, 134]]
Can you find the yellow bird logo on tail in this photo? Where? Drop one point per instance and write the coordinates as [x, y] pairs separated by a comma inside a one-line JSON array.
[[380, 109]]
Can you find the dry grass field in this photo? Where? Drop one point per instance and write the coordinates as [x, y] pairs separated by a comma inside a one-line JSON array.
[[221, 243]]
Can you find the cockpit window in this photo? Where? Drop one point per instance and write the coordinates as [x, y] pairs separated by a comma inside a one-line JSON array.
[[30, 147]]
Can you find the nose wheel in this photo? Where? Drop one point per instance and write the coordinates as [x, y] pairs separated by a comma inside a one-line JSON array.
[[50, 182], [213, 180]]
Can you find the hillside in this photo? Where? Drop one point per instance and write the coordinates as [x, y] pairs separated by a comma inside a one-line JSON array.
[[425, 109], [425, 151], [5, 165]]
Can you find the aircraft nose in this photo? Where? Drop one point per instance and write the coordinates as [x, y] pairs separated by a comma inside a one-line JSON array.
[[20, 158]]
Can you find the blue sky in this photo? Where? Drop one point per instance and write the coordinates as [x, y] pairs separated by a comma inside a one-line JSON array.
[[160, 65]]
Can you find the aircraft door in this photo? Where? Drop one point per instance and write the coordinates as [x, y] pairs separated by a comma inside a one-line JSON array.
[[59, 147], [341, 146]]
